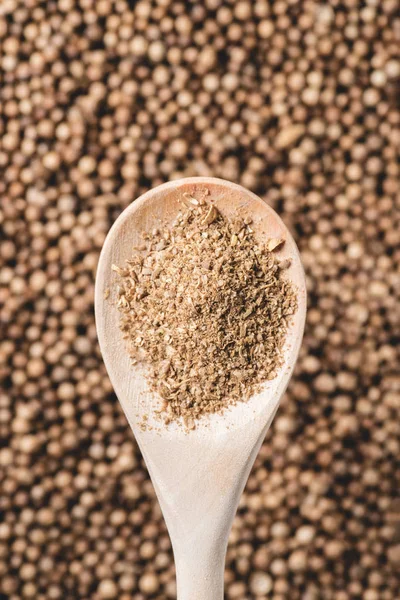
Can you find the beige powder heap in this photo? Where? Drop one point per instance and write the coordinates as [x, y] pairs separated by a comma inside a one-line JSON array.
[[205, 308]]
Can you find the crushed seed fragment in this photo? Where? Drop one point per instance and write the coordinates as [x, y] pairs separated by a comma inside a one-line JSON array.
[[274, 244], [210, 216], [119, 270]]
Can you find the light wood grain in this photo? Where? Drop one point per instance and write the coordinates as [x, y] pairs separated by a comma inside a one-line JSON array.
[[198, 475]]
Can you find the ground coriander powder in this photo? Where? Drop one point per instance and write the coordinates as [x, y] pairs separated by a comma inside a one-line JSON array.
[[205, 308]]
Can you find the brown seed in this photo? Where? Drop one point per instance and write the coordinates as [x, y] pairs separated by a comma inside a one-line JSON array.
[[289, 135]]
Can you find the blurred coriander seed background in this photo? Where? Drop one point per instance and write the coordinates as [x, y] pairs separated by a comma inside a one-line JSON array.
[[298, 101]]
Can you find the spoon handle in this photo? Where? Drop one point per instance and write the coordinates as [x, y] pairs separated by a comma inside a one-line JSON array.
[[199, 488], [200, 573]]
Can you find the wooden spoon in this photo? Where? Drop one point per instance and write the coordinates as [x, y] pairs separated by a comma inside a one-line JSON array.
[[198, 475]]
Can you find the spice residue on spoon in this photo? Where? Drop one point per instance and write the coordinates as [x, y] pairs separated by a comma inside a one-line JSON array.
[[205, 308]]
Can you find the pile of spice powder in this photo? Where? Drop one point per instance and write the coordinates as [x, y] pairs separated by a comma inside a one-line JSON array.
[[205, 308]]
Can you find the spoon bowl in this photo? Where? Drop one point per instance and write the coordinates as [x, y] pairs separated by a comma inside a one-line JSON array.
[[200, 474]]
